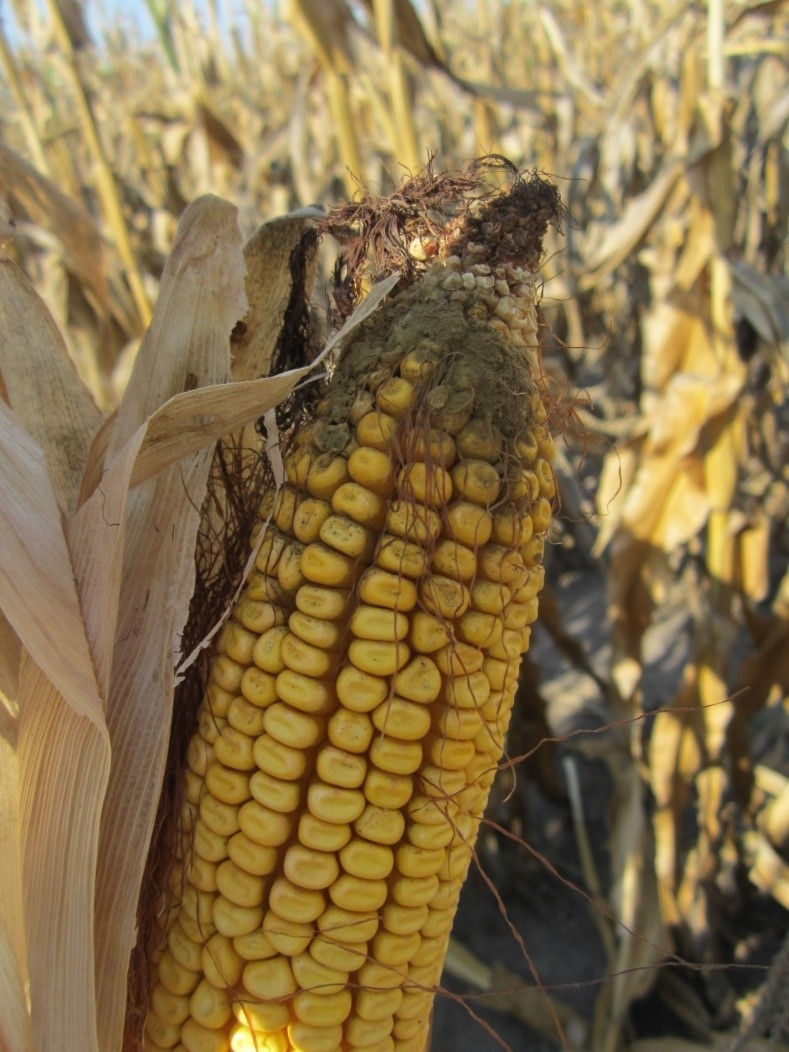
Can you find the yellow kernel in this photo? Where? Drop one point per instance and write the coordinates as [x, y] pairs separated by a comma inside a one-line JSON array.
[[526, 448], [257, 617], [161, 1034], [520, 615], [231, 919], [234, 749], [325, 566], [510, 527], [326, 473], [430, 950], [378, 658], [427, 633], [376, 429], [437, 782], [244, 716], [279, 760], [414, 891], [297, 730], [454, 560], [501, 675], [230, 787], [331, 803], [315, 630], [467, 692], [226, 674], [294, 903], [198, 755], [435, 446], [394, 396], [237, 643], [209, 1005], [356, 893], [416, 1003], [490, 597], [266, 827], [289, 572], [221, 963], [297, 467], [283, 506], [220, 818], [414, 861], [379, 975], [258, 687], [509, 647], [532, 552], [343, 956], [308, 519], [350, 538], [208, 844], [310, 975], [210, 726], [308, 660], [198, 905], [378, 1004], [468, 523], [479, 629], [185, 952], [253, 947], [359, 691], [458, 724], [275, 793], [372, 469], [359, 504], [444, 596], [305, 692], [338, 767], [264, 588], [382, 825], [427, 836], [419, 680], [479, 439], [425, 484], [367, 1033], [361, 858], [326, 603], [270, 552], [396, 948], [322, 1009], [402, 920], [314, 1038], [347, 925], [450, 754], [170, 1008], [216, 700], [270, 980], [476, 481], [401, 557], [267, 651], [402, 719], [319, 835], [387, 790], [313, 870], [546, 479], [413, 522], [415, 365], [381, 588], [439, 921], [374, 622], [286, 936], [261, 1021], [541, 515], [498, 563], [396, 757]]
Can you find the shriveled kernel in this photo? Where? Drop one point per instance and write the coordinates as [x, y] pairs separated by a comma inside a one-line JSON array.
[[309, 660], [209, 1005], [221, 962], [326, 473], [360, 691], [351, 731], [501, 675], [287, 937], [356, 893], [297, 467], [419, 680], [361, 858], [376, 429], [468, 523], [425, 483], [258, 687], [405, 720], [333, 804], [379, 975], [479, 439], [374, 622], [545, 478], [381, 588], [454, 560], [297, 730], [308, 519], [322, 1009], [378, 658], [340, 768], [401, 557], [413, 522], [305, 692], [476, 481], [270, 552], [533, 551], [230, 787], [419, 362], [270, 979], [396, 757], [359, 504], [266, 827], [275, 793], [244, 716], [387, 790], [382, 825], [541, 515], [434, 445], [313, 870], [319, 835], [498, 563], [435, 781], [266, 653], [372, 469], [279, 760], [444, 596], [327, 603], [231, 919], [295, 903]]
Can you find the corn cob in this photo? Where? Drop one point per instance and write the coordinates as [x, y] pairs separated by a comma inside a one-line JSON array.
[[360, 695]]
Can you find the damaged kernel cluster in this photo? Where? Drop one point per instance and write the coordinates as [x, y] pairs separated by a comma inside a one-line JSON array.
[[361, 692]]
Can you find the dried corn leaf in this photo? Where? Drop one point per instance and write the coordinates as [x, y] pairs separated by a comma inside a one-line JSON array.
[[46, 394], [10, 653]]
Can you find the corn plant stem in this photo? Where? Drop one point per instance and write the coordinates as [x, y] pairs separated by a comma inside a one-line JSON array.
[[34, 143], [160, 16], [105, 181], [407, 144], [340, 106]]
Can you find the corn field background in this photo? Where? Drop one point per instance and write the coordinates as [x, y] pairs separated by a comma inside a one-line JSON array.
[[632, 881]]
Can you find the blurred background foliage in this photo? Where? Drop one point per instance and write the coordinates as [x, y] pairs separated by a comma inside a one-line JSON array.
[[661, 671]]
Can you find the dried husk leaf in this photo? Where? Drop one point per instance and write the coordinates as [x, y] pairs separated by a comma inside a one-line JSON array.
[[10, 653], [42, 384]]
